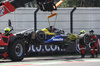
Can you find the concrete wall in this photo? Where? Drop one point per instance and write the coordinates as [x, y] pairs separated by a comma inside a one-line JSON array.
[[84, 18]]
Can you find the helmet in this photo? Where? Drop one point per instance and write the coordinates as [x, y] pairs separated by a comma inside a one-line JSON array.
[[92, 31], [7, 29], [82, 31], [51, 26]]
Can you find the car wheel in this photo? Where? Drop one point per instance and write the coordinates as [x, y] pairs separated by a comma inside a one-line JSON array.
[[84, 39], [16, 50], [40, 36]]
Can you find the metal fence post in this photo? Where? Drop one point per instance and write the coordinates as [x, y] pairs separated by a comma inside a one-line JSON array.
[[71, 19], [35, 18]]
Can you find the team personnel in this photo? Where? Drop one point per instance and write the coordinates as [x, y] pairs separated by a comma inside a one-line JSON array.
[[82, 46], [7, 32], [93, 44]]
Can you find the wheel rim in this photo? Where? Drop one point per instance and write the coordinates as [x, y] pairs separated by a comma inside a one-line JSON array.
[[19, 50], [86, 39]]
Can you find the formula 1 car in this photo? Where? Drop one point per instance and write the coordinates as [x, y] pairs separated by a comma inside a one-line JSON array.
[[59, 38]]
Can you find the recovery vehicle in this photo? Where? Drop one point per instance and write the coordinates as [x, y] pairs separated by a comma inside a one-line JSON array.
[[12, 46]]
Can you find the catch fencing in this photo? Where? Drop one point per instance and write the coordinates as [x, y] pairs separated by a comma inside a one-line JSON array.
[[83, 18]]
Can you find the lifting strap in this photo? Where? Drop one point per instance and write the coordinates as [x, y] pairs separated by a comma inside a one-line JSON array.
[[55, 14]]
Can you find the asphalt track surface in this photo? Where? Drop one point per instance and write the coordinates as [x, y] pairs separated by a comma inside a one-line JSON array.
[[73, 60]]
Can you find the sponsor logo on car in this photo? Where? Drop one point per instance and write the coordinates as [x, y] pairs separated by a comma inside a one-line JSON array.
[[59, 39]]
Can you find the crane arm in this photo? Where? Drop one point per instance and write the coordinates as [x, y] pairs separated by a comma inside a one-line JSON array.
[[58, 4], [7, 7]]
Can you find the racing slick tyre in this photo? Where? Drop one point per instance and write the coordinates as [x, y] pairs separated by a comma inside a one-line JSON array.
[[84, 39], [40, 36], [16, 50]]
